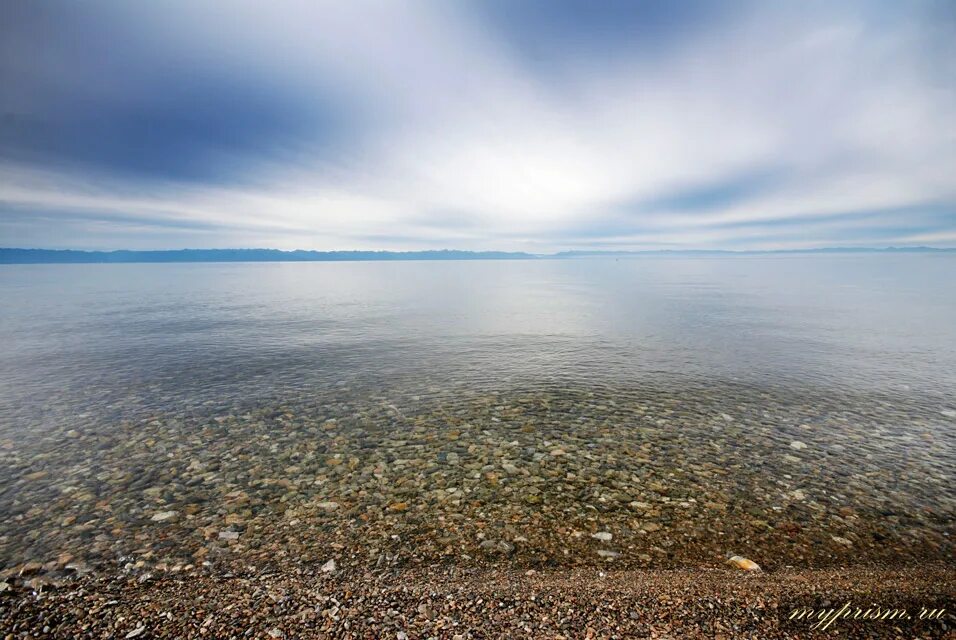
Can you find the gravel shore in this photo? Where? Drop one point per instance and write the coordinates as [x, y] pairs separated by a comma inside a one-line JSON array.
[[494, 602], [546, 513], [627, 478]]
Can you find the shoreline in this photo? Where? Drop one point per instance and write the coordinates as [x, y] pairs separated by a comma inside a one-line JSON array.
[[454, 602], [588, 512], [544, 479]]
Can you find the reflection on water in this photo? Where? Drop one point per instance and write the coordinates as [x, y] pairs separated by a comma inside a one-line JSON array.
[[797, 409], [164, 335]]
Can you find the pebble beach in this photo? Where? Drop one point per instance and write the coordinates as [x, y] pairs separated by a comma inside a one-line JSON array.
[[456, 493], [477, 320], [491, 603], [310, 461]]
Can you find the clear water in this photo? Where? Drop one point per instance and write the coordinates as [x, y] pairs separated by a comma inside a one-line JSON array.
[[798, 409], [151, 337]]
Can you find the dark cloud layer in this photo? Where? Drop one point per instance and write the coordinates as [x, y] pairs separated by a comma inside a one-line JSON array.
[[84, 92]]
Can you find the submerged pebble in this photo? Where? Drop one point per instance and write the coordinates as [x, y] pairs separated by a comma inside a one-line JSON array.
[[163, 516], [537, 476]]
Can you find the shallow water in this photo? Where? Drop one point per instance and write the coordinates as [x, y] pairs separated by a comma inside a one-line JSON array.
[[797, 408]]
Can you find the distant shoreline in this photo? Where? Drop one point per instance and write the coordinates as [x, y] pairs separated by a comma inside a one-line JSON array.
[[72, 256]]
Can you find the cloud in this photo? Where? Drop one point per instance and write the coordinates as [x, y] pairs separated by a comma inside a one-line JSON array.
[[535, 126]]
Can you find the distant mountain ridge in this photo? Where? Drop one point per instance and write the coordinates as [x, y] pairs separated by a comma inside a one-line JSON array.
[[71, 256], [585, 254]]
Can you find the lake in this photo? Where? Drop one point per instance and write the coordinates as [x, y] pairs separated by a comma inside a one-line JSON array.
[[481, 410]]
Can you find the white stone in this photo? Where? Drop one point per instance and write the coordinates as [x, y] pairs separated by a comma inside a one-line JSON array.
[[162, 516]]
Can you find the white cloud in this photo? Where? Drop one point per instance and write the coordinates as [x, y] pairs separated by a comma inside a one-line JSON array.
[[458, 142]]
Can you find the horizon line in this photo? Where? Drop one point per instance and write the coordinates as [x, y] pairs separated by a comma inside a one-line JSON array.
[[15, 255]]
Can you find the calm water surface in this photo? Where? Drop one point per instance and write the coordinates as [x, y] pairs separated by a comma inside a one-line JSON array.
[[797, 409], [78, 337]]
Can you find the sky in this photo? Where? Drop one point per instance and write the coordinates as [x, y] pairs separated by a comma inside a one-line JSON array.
[[520, 125]]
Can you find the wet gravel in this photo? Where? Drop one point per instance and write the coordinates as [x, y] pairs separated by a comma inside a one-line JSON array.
[[542, 478], [480, 603], [594, 512]]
